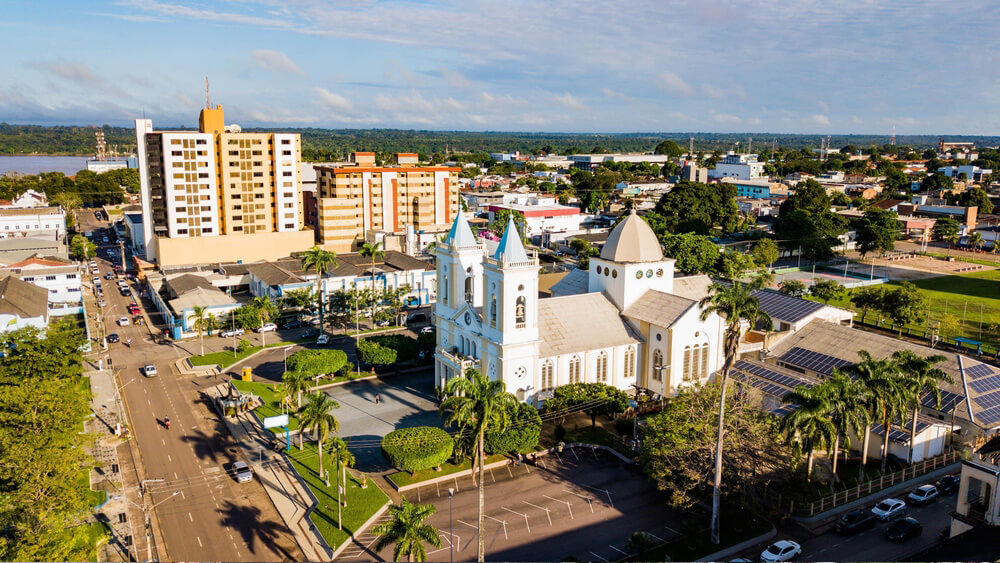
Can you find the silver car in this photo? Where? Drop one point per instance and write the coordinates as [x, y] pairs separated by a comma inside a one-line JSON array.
[[243, 472]]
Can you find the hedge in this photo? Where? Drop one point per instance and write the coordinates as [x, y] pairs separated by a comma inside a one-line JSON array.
[[416, 448], [372, 353], [521, 435], [406, 348]]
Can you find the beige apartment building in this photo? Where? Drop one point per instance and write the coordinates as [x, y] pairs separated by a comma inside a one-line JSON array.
[[358, 198], [219, 194]]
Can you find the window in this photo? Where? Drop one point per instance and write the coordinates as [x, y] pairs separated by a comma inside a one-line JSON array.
[[574, 369], [629, 362], [687, 364], [468, 290], [50, 278], [493, 310], [548, 379], [657, 366], [520, 313], [444, 291], [704, 361]]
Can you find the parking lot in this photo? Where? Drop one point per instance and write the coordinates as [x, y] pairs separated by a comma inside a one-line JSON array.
[[583, 504]]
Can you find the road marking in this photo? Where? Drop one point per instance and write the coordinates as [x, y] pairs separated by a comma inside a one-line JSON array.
[[655, 537], [164, 442], [191, 518], [502, 522], [169, 458], [182, 495], [598, 556], [564, 502], [672, 530], [466, 523], [199, 542], [616, 549], [519, 514]]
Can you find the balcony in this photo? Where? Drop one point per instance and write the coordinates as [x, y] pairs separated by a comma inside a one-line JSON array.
[[457, 361], [752, 341]]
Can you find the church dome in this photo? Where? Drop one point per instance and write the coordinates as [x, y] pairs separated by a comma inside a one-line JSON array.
[[632, 241]]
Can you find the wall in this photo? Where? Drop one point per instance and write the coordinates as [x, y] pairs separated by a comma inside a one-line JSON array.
[[230, 248]]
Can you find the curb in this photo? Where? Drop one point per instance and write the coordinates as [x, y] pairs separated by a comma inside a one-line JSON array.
[[729, 551], [361, 529]]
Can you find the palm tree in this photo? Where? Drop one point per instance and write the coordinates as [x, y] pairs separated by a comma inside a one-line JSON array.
[[952, 239], [737, 304], [921, 378], [810, 424], [887, 392], [202, 322], [374, 251], [407, 530], [848, 410], [283, 393], [322, 261], [473, 402], [872, 376], [266, 310], [296, 382], [315, 417], [976, 241], [343, 458]]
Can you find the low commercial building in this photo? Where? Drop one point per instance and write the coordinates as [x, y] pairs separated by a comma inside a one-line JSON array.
[[757, 189], [739, 166], [176, 295], [979, 490], [47, 222], [59, 277], [22, 304], [972, 173], [134, 232], [544, 217], [590, 162]]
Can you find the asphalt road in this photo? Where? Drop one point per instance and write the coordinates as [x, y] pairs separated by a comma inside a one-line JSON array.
[[211, 517], [582, 507]]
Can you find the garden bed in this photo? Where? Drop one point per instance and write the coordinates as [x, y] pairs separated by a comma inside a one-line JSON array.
[[404, 478]]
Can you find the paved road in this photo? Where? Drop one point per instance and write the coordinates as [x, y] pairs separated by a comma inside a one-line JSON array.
[[211, 517]]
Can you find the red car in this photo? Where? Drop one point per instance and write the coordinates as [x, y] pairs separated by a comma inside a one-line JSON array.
[[133, 309]]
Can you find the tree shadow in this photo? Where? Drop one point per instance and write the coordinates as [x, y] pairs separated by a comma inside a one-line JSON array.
[[208, 446], [247, 519]]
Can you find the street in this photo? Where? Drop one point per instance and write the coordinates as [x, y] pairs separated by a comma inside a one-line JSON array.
[[211, 516]]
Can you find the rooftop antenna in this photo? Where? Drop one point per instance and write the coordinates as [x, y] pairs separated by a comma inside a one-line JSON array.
[[690, 147], [892, 140], [208, 100], [750, 145]]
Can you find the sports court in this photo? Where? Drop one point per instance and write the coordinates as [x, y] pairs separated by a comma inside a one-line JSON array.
[[582, 504]]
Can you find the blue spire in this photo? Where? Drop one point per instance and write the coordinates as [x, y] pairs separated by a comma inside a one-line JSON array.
[[460, 233], [511, 249]]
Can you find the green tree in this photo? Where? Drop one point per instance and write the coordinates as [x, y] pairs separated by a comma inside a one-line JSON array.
[[296, 383], [805, 218], [737, 305], [945, 228], [265, 310], [669, 148], [297, 300], [283, 394], [520, 436], [922, 378], [372, 353], [316, 258], [877, 230], [598, 398], [936, 182], [849, 413], [795, 288], [82, 248], [315, 418], [474, 402], [885, 395], [203, 321], [317, 363], [765, 252], [407, 530], [827, 290], [373, 251], [692, 254], [809, 424], [502, 217], [867, 299], [904, 305], [976, 240], [732, 265], [693, 207]]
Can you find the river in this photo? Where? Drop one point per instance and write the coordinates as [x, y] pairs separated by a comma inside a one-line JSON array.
[[68, 165]]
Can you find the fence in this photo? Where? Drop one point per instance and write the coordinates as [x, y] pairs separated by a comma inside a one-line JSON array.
[[864, 489]]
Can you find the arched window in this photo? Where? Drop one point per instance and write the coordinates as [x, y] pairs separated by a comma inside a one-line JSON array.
[[657, 366], [704, 361], [574, 369], [548, 376], [493, 310], [602, 367], [629, 362], [695, 362], [686, 374], [520, 313], [468, 289], [474, 354]]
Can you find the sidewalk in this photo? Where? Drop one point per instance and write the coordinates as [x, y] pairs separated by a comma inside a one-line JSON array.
[[289, 495]]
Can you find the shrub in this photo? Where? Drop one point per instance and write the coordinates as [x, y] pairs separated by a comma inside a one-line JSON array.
[[317, 362], [374, 354], [521, 435], [416, 448], [243, 345], [625, 426], [406, 348]]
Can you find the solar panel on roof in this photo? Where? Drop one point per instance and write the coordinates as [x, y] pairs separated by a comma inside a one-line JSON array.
[[988, 400], [763, 385], [948, 401], [989, 416], [985, 384], [771, 375], [813, 361], [979, 370], [784, 410]]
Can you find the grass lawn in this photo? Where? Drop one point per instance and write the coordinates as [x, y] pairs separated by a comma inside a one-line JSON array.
[[404, 478], [94, 498], [361, 503], [85, 538], [226, 358], [270, 406], [957, 296]]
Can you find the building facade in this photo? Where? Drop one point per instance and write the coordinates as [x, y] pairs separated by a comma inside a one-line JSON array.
[[47, 222], [358, 197], [739, 166], [58, 276], [219, 182]]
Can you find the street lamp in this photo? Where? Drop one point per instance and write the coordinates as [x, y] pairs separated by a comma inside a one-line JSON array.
[[451, 535]]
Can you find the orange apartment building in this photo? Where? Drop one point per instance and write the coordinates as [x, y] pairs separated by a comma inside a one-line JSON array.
[[358, 197]]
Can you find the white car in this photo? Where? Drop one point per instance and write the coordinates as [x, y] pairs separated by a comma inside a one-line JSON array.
[[231, 333], [269, 327], [149, 370], [323, 340], [123, 321], [782, 550], [427, 330], [923, 495], [243, 472], [889, 508]]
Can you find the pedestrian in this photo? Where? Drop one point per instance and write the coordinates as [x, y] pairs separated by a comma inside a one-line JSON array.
[[376, 398], [520, 458]]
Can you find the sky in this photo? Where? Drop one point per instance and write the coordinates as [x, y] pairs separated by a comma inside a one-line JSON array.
[[783, 66]]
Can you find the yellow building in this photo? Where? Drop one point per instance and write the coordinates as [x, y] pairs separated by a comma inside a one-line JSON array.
[[358, 197], [221, 184]]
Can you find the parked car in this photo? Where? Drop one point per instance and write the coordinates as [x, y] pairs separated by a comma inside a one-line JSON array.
[[309, 333], [113, 337], [904, 529], [231, 333], [854, 522], [382, 323], [123, 321], [101, 303], [96, 280], [889, 508], [323, 340], [948, 484], [134, 309], [109, 276], [922, 495], [294, 323], [427, 330], [149, 370], [416, 318], [243, 472], [782, 550], [269, 327]]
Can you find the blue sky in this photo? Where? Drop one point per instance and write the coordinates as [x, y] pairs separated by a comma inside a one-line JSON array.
[[792, 66]]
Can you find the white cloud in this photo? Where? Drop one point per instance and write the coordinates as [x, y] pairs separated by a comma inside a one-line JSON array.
[[726, 118], [332, 100], [455, 79], [820, 119], [711, 91], [275, 61], [675, 84], [568, 101]]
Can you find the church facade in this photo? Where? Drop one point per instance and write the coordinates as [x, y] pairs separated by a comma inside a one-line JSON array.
[[626, 322]]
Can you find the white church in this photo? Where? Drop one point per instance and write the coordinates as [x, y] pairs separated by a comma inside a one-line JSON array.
[[627, 322]]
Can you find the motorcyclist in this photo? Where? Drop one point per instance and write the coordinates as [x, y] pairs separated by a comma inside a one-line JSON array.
[[166, 422]]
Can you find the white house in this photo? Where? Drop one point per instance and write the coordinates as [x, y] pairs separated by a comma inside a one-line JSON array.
[[627, 326], [58, 276], [49, 222], [739, 166], [22, 304], [30, 198]]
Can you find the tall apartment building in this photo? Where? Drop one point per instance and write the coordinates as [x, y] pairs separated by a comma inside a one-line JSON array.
[[219, 194], [358, 197]]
